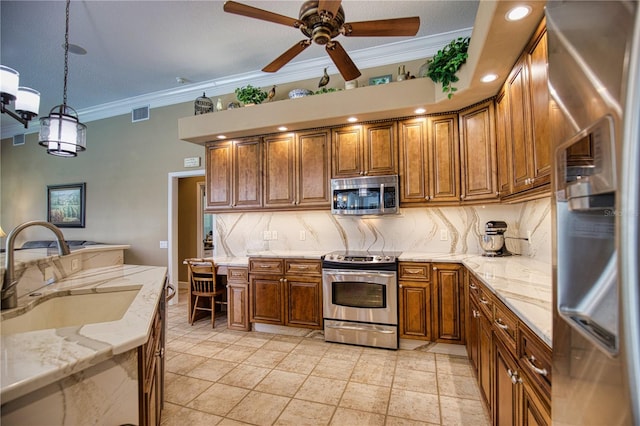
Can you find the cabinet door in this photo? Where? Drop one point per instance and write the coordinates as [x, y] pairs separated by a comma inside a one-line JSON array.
[[533, 410], [380, 149], [539, 89], [218, 171], [414, 162], [415, 310], [447, 303], [279, 171], [520, 129], [444, 159], [473, 333], [485, 356], [506, 386], [347, 152], [503, 143], [247, 178], [314, 162], [478, 153], [304, 301], [267, 299], [238, 306]]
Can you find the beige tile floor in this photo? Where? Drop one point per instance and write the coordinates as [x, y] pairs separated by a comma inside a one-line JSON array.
[[224, 377]]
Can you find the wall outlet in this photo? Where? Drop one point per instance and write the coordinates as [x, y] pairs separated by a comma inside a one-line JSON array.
[[444, 235], [75, 265], [164, 244], [303, 235], [266, 235], [274, 235]]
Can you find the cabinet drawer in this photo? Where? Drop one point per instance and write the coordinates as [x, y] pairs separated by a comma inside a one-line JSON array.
[[485, 301], [535, 359], [414, 271], [505, 324], [474, 286], [303, 267], [236, 274], [265, 266]]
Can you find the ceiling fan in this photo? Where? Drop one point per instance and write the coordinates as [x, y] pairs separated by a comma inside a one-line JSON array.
[[321, 21]]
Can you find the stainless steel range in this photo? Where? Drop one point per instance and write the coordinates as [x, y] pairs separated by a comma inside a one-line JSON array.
[[360, 298]]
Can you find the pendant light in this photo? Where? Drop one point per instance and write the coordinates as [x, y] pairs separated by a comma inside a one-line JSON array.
[[61, 132], [27, 100]]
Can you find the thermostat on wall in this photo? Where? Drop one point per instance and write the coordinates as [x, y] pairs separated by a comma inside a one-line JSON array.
[[192, 162]]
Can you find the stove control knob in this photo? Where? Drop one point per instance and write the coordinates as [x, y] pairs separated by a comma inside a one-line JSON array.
[[378, 258], [387, 258], [340, 257]]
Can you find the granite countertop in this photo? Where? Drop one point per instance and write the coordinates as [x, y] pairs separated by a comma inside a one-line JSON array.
[[523, 284], [35, 359]]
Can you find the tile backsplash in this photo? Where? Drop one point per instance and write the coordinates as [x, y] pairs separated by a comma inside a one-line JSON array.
[[455, 230]]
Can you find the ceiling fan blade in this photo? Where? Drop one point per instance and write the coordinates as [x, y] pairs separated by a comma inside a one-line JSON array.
[[283, 59], [342, 60], [330, 6], [254, 12], [383, 27]]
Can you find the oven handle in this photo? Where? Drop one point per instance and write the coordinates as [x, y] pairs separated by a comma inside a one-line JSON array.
[[351, 327], [359, 273]]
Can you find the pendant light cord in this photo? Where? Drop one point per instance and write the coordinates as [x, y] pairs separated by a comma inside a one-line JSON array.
[[66, 59]]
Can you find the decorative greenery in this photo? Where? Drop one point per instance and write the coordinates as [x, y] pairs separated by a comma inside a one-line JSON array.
[[325, 90], [446, 63], [250, 95]]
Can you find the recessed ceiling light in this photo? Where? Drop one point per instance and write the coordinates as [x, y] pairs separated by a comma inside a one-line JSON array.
[[488, 78], [518, 12], [420, 111], [352, 119], [282, 128], [222, 137]]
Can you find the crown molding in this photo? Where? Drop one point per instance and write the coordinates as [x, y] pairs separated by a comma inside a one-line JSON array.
[[387, 54]]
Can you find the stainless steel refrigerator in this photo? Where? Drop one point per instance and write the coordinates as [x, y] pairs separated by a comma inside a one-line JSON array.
[[595, 112]]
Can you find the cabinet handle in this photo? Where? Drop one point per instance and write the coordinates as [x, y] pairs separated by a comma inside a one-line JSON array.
[[462, 197], [284, 280], [530, 362], [281, 280], [400, 285], [473, 286], [501, 324], [514, 376], [435, 269], [484, 301], [476, 314]]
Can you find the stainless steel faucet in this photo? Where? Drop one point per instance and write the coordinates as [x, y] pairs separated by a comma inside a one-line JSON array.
[[8, 294]]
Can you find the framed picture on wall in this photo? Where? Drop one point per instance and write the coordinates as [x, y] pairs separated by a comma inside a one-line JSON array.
[[66, 205]]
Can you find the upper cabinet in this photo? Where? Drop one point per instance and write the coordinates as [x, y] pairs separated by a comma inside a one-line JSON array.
[[365, 150], [233, 174], [478, 153], [430, 165], [524, 121], [296, 170]]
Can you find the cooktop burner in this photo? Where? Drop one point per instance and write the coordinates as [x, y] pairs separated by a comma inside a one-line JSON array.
[[362, 257]]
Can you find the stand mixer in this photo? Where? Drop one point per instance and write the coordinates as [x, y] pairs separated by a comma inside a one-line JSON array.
[[493, 241]]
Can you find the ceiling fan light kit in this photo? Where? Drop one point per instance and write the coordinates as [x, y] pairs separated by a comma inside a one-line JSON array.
[[321, 21]]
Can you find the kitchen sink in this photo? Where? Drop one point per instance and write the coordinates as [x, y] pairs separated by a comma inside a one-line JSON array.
[[71, 310]]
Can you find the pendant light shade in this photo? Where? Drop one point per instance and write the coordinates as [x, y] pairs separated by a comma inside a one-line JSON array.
[[9, 83], [61, 132], [27, 101]]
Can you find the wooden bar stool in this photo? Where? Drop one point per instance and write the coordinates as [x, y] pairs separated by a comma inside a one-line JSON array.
[[202, 274]]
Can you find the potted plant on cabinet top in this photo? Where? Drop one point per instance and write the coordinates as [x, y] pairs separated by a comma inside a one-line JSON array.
[[446, 63], [250, 95]]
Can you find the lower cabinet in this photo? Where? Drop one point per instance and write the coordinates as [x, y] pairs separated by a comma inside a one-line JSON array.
[[512, 364], [448, 311], [151, 370], [414, 300], [238, 299], [285, 292]]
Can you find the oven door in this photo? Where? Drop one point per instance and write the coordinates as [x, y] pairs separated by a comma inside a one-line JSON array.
[[361, 296]]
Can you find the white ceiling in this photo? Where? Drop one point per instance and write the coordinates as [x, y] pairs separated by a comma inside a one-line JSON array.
[[137, 49]]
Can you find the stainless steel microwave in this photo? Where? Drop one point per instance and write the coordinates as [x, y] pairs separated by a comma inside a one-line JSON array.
[[369, 195]]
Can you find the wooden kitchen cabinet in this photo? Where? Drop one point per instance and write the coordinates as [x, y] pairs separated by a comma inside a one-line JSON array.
[[367, 150], [430, 161], [233, 174], [525, 121], [238, 299], [414, 299], [151, 369], [448, 308], [506, 386], [503, 140], [478, 153], [296, 170], [291, 298], [479, 339]]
